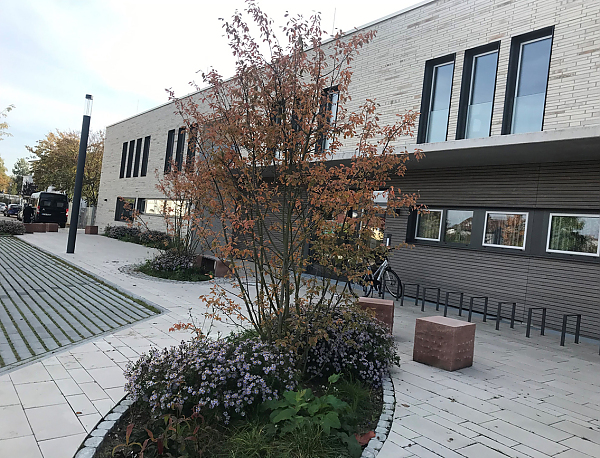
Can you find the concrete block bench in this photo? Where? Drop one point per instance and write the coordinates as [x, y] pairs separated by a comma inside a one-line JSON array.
[[383, 308], [444, 342], [220, 268], [92, 230], [51, 227], [30, 228]]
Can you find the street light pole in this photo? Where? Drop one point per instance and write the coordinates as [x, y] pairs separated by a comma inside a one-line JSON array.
[[85, 129]]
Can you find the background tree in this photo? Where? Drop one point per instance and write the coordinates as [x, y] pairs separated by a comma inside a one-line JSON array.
[[263, 195], [4, 178], [19, 170], [56, 163], [4, 124]]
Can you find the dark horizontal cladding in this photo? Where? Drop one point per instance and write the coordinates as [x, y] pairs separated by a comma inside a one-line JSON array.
[[572, 185]]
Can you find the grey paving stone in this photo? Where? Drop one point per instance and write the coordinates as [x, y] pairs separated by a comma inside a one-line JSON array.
[[86, 452]]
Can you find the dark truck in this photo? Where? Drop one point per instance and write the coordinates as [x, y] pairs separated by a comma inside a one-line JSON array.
[[50, 207]]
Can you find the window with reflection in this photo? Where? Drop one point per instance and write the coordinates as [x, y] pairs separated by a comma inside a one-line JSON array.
[[481, 95], [507, 230], [529, 98], [458, 228], [576, 234], [429, 225], [439, 106]]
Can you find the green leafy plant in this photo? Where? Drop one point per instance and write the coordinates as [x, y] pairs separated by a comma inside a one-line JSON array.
[[179, 435], [302, 409], [130, 445]]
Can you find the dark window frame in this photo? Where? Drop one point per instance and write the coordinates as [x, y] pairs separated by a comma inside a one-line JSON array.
[[120, 208], [138, 153], [466, 85], [123, 160], [513, 70], [169, 151], [130, 158], [180, 146], [145, 155], [426, 93], [325, 108]]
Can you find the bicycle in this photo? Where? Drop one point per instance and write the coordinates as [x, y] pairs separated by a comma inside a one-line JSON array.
[[383, 277]]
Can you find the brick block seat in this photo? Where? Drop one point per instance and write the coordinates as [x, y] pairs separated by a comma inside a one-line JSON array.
[[51, 227], [38, 227], [383, 308], [28, 228], [444, 342], [93, 230], [212, 263]]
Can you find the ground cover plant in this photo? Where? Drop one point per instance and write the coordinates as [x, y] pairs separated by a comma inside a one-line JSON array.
[[146, 237]]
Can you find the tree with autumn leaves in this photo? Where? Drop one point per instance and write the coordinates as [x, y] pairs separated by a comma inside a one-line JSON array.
[[265, 193], [55, 163]]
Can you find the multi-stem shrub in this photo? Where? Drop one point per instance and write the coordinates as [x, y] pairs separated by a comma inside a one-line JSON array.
[[220, 377], [12, 227], [345, 340]]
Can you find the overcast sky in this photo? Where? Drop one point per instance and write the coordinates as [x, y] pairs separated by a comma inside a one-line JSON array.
[[125, 53]]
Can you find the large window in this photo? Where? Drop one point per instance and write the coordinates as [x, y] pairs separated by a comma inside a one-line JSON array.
[[477, 97], [577, 234], [507, 230], [439, 108], [124, 209], [145, 156], [330, 109], [123, 160], [169, 151], [429, 225], [459, 224], [527, 82]]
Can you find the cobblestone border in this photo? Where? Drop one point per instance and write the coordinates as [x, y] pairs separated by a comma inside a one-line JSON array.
[[95, 438], [385, 419]]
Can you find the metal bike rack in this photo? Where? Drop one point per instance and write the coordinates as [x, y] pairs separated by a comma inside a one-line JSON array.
[[531, 310], [564, 327], [485, 307], [512, 315], [416, 295], [461, 302], [437, 304]]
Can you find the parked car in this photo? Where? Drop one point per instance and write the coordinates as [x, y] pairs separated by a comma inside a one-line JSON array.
[[12, 210], [2, 207], [50, 207]]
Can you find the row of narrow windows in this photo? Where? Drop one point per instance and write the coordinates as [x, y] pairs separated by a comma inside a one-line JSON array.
[[132, 155], [525, 98]]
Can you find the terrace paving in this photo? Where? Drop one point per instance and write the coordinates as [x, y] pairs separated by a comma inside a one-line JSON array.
[[521, 398]]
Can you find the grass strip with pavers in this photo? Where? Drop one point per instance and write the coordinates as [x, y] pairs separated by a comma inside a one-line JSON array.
[[46, 303]]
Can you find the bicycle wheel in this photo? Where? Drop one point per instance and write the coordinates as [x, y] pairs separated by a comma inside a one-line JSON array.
[[363, 287], [393, 285]]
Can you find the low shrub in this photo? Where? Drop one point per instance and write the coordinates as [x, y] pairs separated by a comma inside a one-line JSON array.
[[347, 340], [12, 227], [154, 238], [121, 232], [224, 377], [172, 260]]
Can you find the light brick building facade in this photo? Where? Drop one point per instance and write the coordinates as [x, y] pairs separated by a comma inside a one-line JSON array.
[[537, 180]]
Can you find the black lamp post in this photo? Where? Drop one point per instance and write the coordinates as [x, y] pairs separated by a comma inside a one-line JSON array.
[[85, 129]]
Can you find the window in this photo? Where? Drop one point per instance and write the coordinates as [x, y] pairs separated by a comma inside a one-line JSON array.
[[477, 96], [577, 234], [528, 71], [124, 210], [162, 206], [145, 157], [169, 152], [191, 147], [458, 228], [130, 158], [329, 111], [507, 230], [123, 160], [435, 102], [138, 153], [429, 225], [180, 145]]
